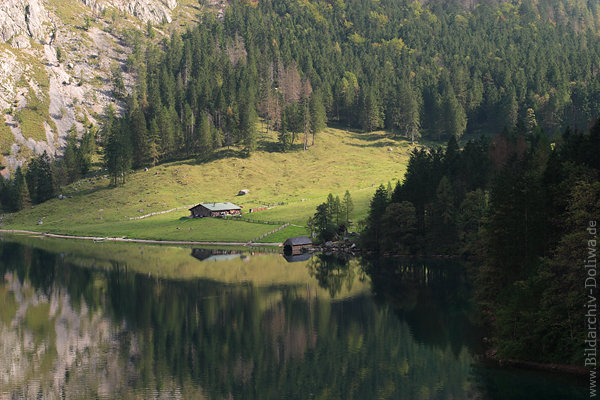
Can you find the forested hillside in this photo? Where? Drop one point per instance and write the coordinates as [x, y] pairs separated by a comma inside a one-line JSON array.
[[434, 70], [429, 70], [519, 206]]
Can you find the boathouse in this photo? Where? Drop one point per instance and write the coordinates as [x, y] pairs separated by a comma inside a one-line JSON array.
[[296, 244], [215, 210]]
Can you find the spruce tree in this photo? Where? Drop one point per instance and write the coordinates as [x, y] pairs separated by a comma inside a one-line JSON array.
[[248, 121], [318, 114], [347, 206], [139, 138], [70, 157], [205, 139], [379, 203]]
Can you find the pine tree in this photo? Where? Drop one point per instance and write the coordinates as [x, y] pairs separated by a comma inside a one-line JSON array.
[[333, 208], [139, 138], [15, 195], [347, 206], [118, 82], [530, 121], [377, 209], [70, 158], [348, 91], [39, 178], [155, 151], [318, 114], [117, 151], [399, 225], [189, 124], [87, 148], [454, 116], [248, 121], [371, 113], [410, 122], [205, 139], [444, 214], [322, 222], [166, 131]]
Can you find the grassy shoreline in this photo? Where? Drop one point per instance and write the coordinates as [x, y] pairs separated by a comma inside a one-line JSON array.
[[293, 184], [133, 240]]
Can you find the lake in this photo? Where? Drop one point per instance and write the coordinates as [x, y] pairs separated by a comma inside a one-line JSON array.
[[84, 320]]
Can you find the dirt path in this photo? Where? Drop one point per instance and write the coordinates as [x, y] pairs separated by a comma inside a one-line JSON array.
[[148, 241]]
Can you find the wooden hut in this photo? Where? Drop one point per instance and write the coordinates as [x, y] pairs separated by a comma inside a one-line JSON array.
[[215, 210], [296, 244]]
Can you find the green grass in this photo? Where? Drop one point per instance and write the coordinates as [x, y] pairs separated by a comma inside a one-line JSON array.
[[6, 137], [339, 160], [70, 13], [32, 123], [37, 111], [165, 227], [282, 235]]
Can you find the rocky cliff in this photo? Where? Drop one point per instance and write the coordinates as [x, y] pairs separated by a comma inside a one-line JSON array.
[[23, 20], [56, 59], [156, 11]]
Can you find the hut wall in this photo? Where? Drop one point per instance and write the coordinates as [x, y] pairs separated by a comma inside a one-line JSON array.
[[200, 211]]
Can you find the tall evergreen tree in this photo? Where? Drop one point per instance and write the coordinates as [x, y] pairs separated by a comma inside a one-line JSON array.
[[374, 232], [139, 138], [205, 139], [347, 206], [70, 156], [39, 178], [318, 114]]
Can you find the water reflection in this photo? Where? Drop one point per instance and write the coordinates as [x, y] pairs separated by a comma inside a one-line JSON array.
[[217, 255], [437, 289], [297, 257], [91, 323], [335, 273], [205, 254]]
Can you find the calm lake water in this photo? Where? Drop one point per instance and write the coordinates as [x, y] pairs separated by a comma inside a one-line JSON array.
[[83, 320]]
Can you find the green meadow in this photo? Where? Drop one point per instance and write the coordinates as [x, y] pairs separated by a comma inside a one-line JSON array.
[[291, 183]]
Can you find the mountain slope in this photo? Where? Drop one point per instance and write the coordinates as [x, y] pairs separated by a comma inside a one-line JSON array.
[[339, 161], [57, 60]]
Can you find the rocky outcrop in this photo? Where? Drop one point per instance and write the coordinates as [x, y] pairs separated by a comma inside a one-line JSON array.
[[155, 11], [65, 68], [22, 20], [10, 73]]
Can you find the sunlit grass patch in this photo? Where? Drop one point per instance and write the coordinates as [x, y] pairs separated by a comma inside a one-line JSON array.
[[292, 184]]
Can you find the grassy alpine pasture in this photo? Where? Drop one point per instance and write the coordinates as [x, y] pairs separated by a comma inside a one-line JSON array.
[[292, 183]]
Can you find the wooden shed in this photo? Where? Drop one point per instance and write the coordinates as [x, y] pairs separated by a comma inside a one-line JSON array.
[[215, 210], [296, 244]]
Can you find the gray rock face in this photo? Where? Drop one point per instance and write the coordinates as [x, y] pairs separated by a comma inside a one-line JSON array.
[[155, 11], [64, 66], [22, 20], [10, 72]]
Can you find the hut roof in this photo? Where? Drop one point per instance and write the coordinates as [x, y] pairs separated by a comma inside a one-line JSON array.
[[218, 206], [297, 241]]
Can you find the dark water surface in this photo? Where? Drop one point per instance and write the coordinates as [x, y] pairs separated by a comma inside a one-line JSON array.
[[84, 320]]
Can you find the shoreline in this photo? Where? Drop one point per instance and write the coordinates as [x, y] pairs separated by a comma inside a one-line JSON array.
[[489, 357], [134, 240]]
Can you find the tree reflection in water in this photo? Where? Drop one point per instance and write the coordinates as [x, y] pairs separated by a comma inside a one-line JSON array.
[[333, 272], [111, 332]]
